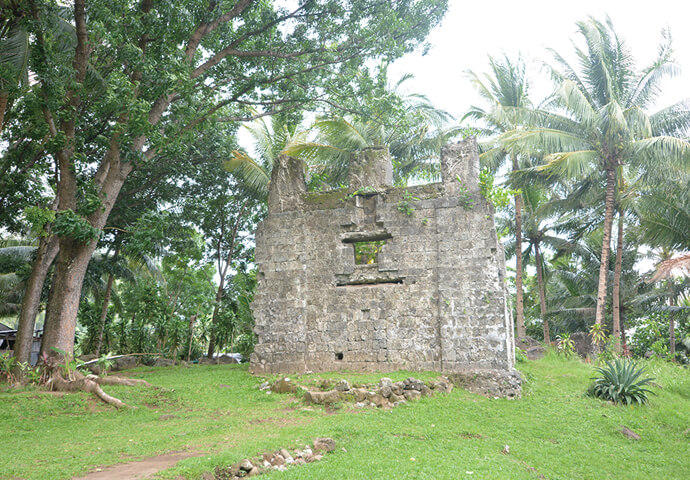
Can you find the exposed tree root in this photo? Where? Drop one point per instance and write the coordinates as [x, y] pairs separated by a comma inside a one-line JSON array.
[[92, 384], [127, 382]]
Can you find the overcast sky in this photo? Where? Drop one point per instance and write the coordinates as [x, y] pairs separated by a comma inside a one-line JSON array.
[[472, 30]]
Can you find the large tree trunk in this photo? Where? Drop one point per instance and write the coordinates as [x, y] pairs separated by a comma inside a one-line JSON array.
[[519, 301], [542, 294], [606, 245], [73, 260], [104, 309], [617, 284], [47, 251], [61, 322]]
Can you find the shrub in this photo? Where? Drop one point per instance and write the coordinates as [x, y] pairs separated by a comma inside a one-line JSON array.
[[621, 383], [520, 355], [565, 345]]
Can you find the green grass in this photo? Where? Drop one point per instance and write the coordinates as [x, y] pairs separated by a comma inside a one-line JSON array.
[[554, 430]]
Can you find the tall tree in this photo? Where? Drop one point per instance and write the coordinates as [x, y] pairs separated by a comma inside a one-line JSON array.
[[505, 89], [131, 91], [597, 124]]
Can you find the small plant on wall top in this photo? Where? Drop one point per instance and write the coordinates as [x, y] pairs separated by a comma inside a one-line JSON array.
[[499, 197], [466, 200], [405, 205]]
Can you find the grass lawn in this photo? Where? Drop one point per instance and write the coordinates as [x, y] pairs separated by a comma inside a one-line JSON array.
[[553, 432]]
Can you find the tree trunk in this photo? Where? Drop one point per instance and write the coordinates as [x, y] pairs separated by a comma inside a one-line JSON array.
[[519, 301], [47, 251], [542, 295], [104, 309], [219, 292], [61, 323], [4, 98], [671, 326], [617, 285], [606, 246], [192, 319], [73, 260]]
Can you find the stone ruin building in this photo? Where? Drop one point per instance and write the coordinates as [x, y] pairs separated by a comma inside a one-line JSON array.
[[383, 278]]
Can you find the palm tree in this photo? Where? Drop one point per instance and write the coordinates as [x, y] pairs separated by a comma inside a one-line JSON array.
[[539, 215], [270, 136], [597, 125], [506, 91]]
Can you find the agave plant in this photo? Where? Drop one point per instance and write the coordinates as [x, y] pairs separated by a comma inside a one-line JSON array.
[[621, 382]]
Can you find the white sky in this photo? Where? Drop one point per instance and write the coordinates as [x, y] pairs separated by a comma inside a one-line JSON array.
[[472, 30]]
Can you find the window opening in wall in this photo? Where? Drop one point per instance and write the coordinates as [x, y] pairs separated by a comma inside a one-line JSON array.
[[366, 252], [339, 356]]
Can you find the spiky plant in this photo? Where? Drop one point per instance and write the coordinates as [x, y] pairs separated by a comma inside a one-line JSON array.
[[621, 382]]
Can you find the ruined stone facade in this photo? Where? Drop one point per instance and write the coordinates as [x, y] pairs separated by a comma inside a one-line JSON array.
[[427, 293]]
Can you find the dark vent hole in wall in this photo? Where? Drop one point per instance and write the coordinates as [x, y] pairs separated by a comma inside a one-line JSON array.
[[366, 252], [339, 356]]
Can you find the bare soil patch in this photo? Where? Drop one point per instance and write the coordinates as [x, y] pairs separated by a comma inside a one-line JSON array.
[[139, 469]]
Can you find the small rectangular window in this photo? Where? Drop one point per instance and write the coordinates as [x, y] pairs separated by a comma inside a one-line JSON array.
[[366, 252]]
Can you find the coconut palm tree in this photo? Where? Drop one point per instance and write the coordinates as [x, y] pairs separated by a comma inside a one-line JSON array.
[[410, 127], [505, 90], [596, 124]]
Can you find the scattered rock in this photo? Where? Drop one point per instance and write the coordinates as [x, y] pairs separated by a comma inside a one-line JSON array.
[[395, 398], [385, 382], [253, 472], [397, 388], [246, 465], [163, 362], [264, 386], [413, 384], [286, 455], [322, 398], [277, 460], [582, 342], [506, 450], [342, 386], [284, 385], [490, 383], [325, 444], [425, 391], [386, 391], [526, 342], [535, 353], [412, 395], [124, 363], [629, 433], [360, 394]]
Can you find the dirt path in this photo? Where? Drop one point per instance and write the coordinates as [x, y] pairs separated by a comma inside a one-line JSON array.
[[138, 470]]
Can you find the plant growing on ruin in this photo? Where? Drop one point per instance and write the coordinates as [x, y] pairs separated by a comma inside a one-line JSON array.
[[465, 197], [406, 204]]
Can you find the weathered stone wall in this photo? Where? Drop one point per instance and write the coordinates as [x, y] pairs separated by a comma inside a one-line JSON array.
[[433, 300]]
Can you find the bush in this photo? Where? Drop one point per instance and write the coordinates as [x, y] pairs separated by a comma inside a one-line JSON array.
[[621, 383], [650, 334]]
